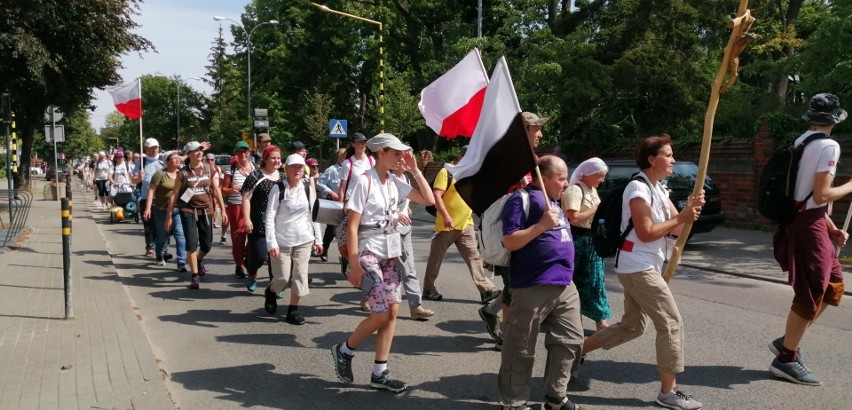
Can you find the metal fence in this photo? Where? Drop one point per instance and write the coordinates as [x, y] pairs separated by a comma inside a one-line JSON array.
[[14, 210]]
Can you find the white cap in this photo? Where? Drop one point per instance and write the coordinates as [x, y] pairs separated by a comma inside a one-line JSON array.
[[295, 159], [151, 142], [386, 140]]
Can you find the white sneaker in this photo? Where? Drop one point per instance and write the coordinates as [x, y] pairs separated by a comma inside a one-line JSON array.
[[677, 400]]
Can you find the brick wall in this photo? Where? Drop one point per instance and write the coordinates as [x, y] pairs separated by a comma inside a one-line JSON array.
[[736, 165]]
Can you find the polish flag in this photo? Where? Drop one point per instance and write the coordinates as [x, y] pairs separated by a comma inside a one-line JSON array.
[[451, 104], [499, 153], [127, 98]]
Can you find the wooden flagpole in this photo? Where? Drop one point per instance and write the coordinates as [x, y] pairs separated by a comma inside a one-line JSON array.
[[740, 38]]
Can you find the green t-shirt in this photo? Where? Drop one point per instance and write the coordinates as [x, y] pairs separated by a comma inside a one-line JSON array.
[[165, 185]]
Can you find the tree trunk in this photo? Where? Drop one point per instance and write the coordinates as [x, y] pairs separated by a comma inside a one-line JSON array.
[[25, 141]]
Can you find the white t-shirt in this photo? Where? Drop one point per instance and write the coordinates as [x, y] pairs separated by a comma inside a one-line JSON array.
[[820, 156], [635, 255], [102, 169], [288, 218], [120, 173], [378, 205], [358, 167]]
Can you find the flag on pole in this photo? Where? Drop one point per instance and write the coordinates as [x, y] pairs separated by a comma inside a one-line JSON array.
[[128, 98], [499, 154], [451, 104]]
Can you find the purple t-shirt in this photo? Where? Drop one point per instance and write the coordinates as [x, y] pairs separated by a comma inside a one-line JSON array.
[[549, 258]]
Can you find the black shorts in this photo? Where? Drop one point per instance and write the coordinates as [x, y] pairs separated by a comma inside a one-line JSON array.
[[198, 231]]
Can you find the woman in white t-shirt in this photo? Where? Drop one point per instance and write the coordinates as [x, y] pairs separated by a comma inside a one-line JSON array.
[[639, 267], [358, 161], [290, 237], [375, 247]]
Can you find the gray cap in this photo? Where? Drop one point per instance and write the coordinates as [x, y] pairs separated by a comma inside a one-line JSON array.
[[191, 146], [358, 137], [386, 140]]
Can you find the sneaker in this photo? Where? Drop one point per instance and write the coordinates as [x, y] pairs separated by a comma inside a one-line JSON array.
[[421, 313], [492, 323], [342, 364], [240, 272], [551, 403], [489, 295], [386, 382], [221, 240], [167, 256], [269, 303], [160, 262], [215, 225], [432, 295], [776, 345], [202, 270], [251, 284], [181, 267], [294, 318], [521, 407], [323, 258], [795, 372], [677, 400], [498, 344], [195, 283]]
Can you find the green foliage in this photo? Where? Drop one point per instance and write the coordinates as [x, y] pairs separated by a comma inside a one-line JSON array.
[[784, 126]]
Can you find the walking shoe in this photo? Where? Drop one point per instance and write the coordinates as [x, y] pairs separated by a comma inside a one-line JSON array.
[[181, 267], [160, 262], [149, 252], [492, 322], [251, 284], [498, 344], [421, 313], [279, 295], [342, 364], [795, 372], [240, 272], [195, 283], [294, 318], [776, 345], [386, 382], [202, 270], [551, 403], [221, 240], [432, 295], [269, 303], [677, 400], [324, 258], [167, 256], [521, 407], [489, 295]]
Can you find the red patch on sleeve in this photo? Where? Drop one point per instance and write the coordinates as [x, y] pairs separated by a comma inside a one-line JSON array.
[[627, 246], [832, 163]]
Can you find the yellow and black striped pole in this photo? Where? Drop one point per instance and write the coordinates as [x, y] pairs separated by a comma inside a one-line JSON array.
[[381, 79], [66, 258], [14, 147]]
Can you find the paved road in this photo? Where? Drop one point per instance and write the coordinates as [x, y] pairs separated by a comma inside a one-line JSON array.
[[221, 350]]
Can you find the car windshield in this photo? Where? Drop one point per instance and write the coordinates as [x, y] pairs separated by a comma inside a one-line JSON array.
[[683, 177]]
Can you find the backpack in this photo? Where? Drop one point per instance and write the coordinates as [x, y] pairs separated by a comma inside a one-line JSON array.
[[777, 187], [491, 230], [608, 240], [432, 209]]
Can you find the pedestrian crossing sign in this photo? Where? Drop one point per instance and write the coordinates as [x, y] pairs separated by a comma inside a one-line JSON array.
[[337, 129]]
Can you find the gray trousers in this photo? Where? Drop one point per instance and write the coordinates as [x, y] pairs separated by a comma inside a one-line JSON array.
[[409, 281], [559, 308]]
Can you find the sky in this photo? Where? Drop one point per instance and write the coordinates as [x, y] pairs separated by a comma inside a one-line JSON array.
[[182, 32]]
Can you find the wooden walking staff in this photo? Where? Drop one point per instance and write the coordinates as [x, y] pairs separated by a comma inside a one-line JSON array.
[[740, 38], [845, 229]]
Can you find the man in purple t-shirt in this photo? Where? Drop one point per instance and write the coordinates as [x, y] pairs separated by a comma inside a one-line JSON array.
[[542, 266]]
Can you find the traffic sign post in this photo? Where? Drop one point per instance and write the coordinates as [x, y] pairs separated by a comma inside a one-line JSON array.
[[337, 130], [53, 114]]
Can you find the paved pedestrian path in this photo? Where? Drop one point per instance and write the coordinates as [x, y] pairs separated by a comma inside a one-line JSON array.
[[100, 358]]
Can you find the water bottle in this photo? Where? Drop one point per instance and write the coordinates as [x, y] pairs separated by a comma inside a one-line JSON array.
[[601, 228]]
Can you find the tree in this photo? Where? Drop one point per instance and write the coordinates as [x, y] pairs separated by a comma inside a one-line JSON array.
[[80, 138], [49, 56]]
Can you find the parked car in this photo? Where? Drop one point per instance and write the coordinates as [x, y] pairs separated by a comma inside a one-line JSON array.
[[223, 162], [679, 185], [49, 174]]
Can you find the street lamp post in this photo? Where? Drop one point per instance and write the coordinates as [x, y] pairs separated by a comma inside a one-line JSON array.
[[177, 108], [381, 57], [248, 49]]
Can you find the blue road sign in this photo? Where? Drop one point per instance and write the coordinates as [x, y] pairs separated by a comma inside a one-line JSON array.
[[337, 129]]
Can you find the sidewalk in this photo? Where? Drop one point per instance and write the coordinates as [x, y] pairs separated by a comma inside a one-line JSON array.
[[99, 359]]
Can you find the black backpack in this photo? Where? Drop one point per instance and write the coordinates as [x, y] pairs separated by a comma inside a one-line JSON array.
[[777, 187], [608, 240]]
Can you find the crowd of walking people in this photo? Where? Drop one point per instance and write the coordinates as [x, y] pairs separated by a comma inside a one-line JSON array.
[[268, 201]]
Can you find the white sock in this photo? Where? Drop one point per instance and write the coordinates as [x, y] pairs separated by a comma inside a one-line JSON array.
[[345, 349], [379, 368], [495, 306]]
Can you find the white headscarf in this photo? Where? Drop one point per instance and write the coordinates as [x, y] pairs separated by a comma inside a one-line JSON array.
[[590, 166]]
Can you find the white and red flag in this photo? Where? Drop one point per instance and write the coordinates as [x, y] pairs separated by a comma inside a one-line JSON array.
[[452, 103], [499, 153], [128, 98]]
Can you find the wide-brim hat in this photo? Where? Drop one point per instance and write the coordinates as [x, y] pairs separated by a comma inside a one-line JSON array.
[[824, 109], [386, 140]]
